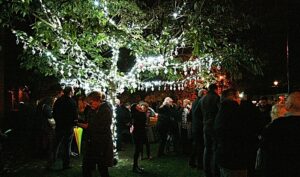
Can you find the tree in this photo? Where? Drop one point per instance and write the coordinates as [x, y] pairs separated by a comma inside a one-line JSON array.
[[171, 42]]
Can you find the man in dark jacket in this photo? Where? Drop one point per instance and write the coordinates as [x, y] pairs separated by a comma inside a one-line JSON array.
[[281, 142], [209, 108], [230, 136], [250, 113], [65, 115], [196, 158], [265, 110]]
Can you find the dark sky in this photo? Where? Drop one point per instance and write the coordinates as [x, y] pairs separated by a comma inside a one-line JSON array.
[[280, 26]]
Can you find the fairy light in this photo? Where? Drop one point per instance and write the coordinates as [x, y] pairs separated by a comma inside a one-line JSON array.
[[175, 15], [96, 3], [86, 71]]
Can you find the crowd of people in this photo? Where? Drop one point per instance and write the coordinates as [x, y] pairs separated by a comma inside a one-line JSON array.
[[223, 135]]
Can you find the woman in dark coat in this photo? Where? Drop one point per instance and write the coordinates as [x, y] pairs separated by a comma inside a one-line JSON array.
[[99, 145], [138, 114], [166, 112]]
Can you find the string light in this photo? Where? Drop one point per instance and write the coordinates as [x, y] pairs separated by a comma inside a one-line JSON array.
[[96, 3], [86, 71], [175, 15]]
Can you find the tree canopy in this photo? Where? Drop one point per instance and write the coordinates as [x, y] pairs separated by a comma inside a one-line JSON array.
[[161, 42]]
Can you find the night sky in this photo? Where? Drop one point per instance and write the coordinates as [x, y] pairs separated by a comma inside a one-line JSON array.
[[280, 25]]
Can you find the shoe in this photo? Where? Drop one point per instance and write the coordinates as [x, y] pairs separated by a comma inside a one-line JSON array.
[[74, 154], [137, 170], [141, 169]]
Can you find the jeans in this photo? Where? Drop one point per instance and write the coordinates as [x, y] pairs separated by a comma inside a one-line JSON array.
[[209, 163], [64, 140]]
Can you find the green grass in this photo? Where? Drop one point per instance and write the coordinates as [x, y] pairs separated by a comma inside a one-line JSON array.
[[168, 166]]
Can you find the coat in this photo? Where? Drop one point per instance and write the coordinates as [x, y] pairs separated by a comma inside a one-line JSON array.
[[209, 107], [139, 123], [230, 137], [99, 137], [281, 146], [197, 120], [165, 117], [65, 113]]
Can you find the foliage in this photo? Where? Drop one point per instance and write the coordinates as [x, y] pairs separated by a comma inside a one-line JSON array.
[[75, 39]]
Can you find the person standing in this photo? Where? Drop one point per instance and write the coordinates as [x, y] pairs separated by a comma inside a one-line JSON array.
[[165, 114], [65, 115], [265, 109], [209, 108], [280, 144], [123, 123], [148, 132], [250, 115], [196, 158], [230, 136], [139, 117], [99, 144], [185, 126], [47, 122]]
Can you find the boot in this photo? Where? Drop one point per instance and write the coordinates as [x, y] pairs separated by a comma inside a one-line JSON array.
[[136, 169]]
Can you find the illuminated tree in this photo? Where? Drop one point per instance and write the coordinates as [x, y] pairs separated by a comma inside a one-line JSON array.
[[171, 42]]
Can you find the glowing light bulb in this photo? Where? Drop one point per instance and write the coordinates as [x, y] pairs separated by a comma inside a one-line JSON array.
[[96, 3], [175, 15]]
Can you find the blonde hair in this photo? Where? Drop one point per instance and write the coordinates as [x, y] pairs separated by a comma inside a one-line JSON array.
[[186, 102], [278, 110], [167, 101]]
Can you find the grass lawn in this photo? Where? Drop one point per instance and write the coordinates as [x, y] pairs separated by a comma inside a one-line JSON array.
[[168, 166]]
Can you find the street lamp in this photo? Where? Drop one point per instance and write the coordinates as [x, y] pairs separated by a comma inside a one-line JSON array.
[[275, 83]]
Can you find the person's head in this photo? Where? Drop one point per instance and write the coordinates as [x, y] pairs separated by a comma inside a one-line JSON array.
[[127, 105], [186, 103], [231, 94], [49, 100], [69, 91], [278, 110], [143, 106], [94, 99], [293, 103], [179, 103], [263, 101], [202, 92], [168, 101], [213, 87], [281, 99]]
